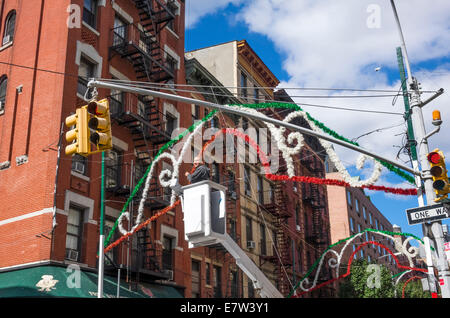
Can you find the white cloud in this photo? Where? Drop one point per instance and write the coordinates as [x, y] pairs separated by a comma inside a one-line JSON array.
[[328, 43], [196, 9]]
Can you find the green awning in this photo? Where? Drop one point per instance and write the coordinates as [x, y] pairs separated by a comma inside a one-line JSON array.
[[57, 281]]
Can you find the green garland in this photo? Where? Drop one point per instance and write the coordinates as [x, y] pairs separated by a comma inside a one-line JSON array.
[[327, 130], [316, 263], [161, 150]]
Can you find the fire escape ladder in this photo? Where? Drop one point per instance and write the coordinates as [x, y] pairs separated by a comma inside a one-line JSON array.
[[282, 240]]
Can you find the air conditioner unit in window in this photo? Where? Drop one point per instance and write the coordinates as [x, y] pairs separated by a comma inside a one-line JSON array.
[[233, 195], [2, 107], [6, 39], [169, 274], [251, 244], [299, 228], [72, 255]]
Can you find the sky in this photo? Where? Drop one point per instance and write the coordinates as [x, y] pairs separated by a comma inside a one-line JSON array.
[[345, 44]]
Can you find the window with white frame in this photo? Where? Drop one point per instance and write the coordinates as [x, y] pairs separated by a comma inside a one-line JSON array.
[[86, 70], [90, 13], [10, 25], [80, 164], [74, 233]]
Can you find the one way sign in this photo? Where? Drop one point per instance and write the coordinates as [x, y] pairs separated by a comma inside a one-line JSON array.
[[428, 213]]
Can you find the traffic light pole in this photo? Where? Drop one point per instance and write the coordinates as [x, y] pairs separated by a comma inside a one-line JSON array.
[[101, 253], [433, 230]]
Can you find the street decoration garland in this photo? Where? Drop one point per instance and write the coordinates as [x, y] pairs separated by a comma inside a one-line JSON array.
[[327, 130], [169, 178], [335, 259]]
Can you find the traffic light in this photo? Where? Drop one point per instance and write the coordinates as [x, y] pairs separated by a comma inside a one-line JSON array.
[[79, 135], [100, 123], [439, 173]]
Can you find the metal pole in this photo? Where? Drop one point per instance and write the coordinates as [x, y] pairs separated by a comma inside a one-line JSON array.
[[233, 110], [118, 281], [101, 253], [419, 131]]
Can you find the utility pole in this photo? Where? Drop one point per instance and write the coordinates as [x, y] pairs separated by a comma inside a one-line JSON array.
[[434, 229], [415, 164]]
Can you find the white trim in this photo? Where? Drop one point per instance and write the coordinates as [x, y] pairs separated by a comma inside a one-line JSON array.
[[79, 175], [120, 144], [114, 72], [7, 45], [112, 212], [87, 26], [26, 216], [169, 108], [171, 232], [89, 52], [172, 53], [82, 201], [124, 15], [173, 33]]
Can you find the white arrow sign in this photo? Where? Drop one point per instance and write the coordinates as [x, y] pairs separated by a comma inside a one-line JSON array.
[[428, 213]]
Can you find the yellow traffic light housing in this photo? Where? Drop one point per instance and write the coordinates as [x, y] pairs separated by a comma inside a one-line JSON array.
[[79, 135], [438, 171], [100, 123]]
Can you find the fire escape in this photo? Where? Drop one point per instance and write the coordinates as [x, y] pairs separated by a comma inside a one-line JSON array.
[[314, 196], [282, 255], [142, 115]]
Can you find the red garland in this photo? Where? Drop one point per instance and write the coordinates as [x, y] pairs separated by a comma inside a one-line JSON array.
[[349, 266], [265, 163]]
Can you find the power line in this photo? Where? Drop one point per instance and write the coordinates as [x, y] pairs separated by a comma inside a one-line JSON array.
[[257, 99]]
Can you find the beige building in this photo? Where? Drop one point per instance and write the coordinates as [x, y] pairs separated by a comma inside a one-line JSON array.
[[245, 75]]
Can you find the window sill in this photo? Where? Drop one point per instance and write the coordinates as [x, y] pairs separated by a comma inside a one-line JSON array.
[[79, 175], [90, 28], [7, 45], [173, 33]]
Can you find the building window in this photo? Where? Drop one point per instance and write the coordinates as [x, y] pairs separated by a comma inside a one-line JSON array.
[[3, 87], [215, 172], [173, 8], [234, 285], [217, 273], [90, 12], [251, 290], [195, 279], [349, 198], [112, 255], [297, 215], [74, 233], [10, 25], [113, 169], [167, 253], [260, 190], [208, 274], [195, 113], [256, 94], [120, 32], [247, 185], [86, 71], [231, 185], [233, 233], [352, 225], [79, 164], [116, 104], [171, 63], [249, 228], [357, 207], [243, 85], [262, 229], [171, 123], [370, 218], [364, 213]]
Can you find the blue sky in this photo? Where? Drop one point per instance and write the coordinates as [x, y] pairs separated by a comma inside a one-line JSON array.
[[328, 44]]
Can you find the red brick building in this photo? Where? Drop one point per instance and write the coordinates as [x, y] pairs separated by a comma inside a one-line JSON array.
[[49, 50]]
